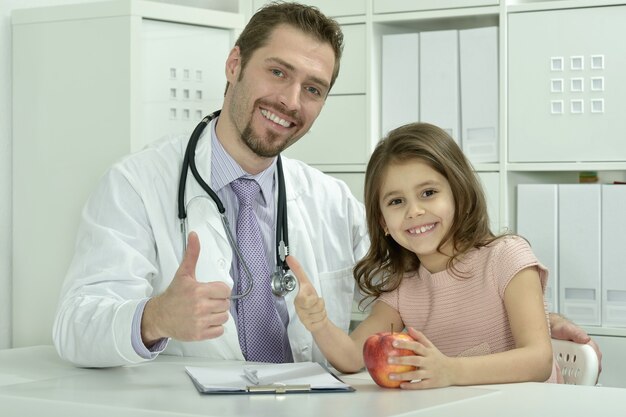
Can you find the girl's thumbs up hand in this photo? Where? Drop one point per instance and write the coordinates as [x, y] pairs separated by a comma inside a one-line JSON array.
[[309, 306]]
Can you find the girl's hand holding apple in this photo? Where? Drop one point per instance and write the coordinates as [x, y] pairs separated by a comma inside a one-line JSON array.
[[380, 352], [409, 362]]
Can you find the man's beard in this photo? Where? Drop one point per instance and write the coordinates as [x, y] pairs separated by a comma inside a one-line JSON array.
[[268, 148]]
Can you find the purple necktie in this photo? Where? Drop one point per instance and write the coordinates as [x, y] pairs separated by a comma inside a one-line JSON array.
[[261, 331]]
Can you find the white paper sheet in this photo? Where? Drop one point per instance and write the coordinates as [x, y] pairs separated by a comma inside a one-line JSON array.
[[232, 378]]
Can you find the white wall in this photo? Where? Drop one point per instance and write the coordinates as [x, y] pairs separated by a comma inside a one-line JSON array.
[[6, 145]]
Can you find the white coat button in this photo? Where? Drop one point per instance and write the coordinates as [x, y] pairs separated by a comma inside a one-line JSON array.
[[305, 349], [221, 263]]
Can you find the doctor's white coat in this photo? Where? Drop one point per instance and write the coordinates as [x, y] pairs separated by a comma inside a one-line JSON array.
[[129, 246]]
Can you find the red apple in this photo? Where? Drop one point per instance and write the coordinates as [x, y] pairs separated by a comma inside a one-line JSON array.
[[378, 347]]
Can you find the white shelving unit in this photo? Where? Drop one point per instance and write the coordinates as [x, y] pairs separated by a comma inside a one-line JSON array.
[[92, 83]]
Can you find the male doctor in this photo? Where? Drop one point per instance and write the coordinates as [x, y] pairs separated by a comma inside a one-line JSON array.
[[130, 293]]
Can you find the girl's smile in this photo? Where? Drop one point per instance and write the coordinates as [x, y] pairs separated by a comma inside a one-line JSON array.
[[419, 230], [418, 210]]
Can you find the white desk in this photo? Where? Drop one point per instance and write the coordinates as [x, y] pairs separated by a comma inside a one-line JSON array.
[[34, 381]]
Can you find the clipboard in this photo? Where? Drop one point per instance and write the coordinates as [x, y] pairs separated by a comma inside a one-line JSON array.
[[265, 378]]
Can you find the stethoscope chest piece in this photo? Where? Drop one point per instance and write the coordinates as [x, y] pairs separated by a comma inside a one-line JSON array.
[[283, 282]]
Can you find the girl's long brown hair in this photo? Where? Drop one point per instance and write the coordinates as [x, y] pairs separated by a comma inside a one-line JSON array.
[[386, 261]]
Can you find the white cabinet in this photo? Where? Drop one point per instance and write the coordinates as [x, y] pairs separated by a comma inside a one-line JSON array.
[[395, 6], [332, 8], [564, 116], [566, 85], [93, 82], [184, 80]]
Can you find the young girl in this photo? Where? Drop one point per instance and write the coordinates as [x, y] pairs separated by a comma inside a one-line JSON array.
[[472, 302]]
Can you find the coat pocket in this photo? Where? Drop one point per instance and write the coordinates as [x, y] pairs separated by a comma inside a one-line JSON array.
[[338, 291]]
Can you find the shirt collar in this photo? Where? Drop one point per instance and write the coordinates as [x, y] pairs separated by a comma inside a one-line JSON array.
[[224, 169]]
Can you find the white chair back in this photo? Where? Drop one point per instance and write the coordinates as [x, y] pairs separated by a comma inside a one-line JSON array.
[[578, 363]]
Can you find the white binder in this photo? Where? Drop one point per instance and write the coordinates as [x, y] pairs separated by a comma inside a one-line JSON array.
[[400, 80], [580, 252], [439, 80], [491, 186], [478, 51], [329, 127], [614, 255], [537, 221]]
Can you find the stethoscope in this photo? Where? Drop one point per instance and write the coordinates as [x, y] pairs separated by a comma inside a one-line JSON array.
[[282, 280]]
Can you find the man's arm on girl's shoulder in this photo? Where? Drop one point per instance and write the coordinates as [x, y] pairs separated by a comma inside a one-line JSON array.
[[564, 329]]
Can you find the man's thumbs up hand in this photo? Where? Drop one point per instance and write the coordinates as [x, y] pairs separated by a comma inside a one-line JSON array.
[[188, 310]]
